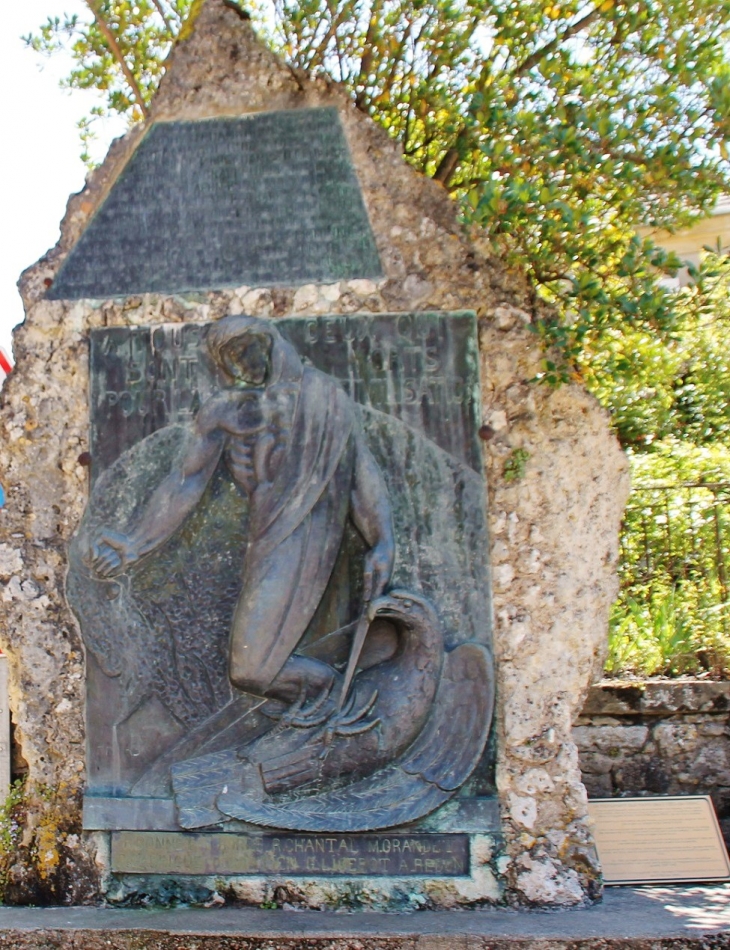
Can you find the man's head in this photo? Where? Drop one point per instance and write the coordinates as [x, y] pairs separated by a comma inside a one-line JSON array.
[[247, 358], [250, 351]]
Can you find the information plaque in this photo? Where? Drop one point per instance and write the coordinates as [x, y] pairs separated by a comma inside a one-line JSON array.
[[659, 840]]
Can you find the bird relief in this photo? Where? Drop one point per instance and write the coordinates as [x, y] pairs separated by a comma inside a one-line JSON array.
[[254, 652]]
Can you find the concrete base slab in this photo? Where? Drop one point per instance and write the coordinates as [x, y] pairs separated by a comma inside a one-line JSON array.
[[645, 918]]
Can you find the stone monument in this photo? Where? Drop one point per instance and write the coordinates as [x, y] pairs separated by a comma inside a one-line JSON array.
[[248, 555]]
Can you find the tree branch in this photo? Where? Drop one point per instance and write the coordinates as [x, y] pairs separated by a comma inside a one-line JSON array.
[[534, 58], [396, 58], [161, 10], [317, 56], [447, 165], [117, 54], [366, 61]]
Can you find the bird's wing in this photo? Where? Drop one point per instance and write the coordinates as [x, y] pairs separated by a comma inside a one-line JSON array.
[[386, 798], [437, 763], [452, 741]]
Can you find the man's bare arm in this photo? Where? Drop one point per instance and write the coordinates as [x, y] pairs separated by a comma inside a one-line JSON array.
[[172, 501], [371, 512]]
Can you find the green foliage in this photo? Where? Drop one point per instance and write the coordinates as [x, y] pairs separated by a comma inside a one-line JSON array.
[[674, 386], [9, 827], [654, 638], [514, 467], [668, 635], [673, 614], [675, 462], [12, 815], [558, 125], [670, 399]]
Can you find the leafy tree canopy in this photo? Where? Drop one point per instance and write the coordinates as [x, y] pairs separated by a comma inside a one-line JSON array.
[[558, 124]]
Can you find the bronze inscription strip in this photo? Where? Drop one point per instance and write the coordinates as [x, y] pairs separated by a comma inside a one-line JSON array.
[[155, 852]]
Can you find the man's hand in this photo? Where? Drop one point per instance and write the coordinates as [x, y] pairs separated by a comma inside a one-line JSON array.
[[111, 553], [378, 568]]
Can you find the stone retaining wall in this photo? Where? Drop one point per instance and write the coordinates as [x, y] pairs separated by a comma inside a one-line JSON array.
[[657, 738]]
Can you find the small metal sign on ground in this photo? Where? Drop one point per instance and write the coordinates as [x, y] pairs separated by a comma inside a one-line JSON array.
[[659, 840]]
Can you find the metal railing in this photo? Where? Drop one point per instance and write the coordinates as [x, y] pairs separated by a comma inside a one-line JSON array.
[[675, 536]]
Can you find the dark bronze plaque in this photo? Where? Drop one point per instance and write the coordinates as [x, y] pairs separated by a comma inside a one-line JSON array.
[[281, 576], [144, 852], [260, 200]]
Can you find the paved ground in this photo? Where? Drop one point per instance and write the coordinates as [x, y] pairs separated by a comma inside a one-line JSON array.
[[626, 915]]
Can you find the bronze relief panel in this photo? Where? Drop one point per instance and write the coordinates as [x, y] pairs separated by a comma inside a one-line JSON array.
[[281, 575]]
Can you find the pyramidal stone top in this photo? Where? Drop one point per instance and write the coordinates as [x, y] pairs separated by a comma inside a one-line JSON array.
[[220, 67], [321, 193], [264, 199]]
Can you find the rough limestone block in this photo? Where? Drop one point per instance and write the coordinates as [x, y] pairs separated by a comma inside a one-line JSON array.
[[554, 530]]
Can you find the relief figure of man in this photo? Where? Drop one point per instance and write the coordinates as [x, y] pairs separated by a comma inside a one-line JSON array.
[[292, 440]]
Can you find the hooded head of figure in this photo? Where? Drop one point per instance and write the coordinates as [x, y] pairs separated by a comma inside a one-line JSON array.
[[251, 352]]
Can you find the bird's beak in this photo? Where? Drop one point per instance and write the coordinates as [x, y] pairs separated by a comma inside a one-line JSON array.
[[386, 608]]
